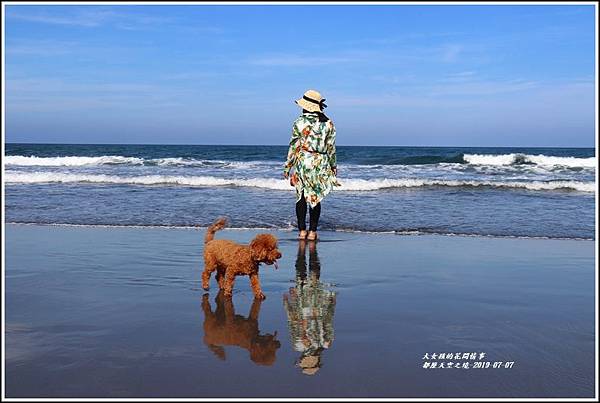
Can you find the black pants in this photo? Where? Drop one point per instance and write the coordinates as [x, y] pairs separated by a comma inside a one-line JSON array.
[[315, 213], [314, 264]]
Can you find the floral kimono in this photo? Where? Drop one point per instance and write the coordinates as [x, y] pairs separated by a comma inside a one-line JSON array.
[[312, 155], [310, 309]]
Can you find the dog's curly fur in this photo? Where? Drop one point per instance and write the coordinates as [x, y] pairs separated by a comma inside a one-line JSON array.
[[224, 328], [231, 259]]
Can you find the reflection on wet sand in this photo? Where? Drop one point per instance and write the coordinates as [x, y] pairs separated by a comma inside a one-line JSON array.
[[310, 308], [224, 328]]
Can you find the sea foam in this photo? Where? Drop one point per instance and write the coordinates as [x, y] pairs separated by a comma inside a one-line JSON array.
[[546, 161], [541, 160], [74, 161], [22, 160], [278, 184]]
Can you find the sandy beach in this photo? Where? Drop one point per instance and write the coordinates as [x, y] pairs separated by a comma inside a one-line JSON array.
[[119, 312]]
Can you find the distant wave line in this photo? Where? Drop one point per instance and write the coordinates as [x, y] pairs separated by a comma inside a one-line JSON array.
[[75, 161], [519, 159], [547, 161], [279, 184]]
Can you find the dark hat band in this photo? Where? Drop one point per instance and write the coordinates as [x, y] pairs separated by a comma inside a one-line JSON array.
[[321, 103]]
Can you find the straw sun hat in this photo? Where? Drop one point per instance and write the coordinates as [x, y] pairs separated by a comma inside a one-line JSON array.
[[309, 364], [312, 101]]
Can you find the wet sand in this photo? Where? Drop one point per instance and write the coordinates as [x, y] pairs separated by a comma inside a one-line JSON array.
[[119, 312]]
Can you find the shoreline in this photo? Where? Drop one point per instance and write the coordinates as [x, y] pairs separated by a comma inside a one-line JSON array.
[[293, 229]]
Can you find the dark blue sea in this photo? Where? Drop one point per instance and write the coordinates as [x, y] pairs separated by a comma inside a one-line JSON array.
[[507, 192]]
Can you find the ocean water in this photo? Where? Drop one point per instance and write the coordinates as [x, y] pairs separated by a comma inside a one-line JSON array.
[[506, 192]]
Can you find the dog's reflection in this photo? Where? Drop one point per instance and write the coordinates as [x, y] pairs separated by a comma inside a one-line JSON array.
[[310, 307], [224, 328]]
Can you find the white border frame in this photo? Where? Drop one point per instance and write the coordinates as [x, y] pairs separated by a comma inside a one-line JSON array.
[[234, 3]]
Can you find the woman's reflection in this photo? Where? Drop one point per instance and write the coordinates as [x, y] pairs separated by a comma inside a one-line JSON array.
[[310, 308], [224, 328]]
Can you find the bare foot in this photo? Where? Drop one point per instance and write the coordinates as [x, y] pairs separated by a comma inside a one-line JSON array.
[[302, 234], [312, 235]]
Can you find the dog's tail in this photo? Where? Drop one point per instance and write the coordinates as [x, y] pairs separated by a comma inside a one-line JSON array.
[[210, 232]]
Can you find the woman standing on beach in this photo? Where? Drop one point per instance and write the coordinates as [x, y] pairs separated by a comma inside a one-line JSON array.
[[312, 155], [310, 307]]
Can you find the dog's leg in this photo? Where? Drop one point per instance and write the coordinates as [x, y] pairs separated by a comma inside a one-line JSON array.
[[220, 278], [256, 286], [255, 310], [220, 309], [206, 308], [228, 283], [210, 265], [229, 311]]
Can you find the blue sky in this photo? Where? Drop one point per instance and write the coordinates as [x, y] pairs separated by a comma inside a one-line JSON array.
[[452, 75]]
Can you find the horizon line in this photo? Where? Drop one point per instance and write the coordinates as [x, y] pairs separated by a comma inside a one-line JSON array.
[[284, 145]]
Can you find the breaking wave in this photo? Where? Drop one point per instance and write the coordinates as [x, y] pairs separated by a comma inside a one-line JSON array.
[[541, 160], [278, 184], [72, 161], [22, 160]]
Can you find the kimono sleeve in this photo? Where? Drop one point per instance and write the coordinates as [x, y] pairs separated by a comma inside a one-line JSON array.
[[292, 152], [330, 146]]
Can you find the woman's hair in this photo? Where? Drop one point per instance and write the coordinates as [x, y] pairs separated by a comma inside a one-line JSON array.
[[322, 116]]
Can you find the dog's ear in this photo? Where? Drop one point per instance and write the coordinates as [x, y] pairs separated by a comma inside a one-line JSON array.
[[218, 350], [260, 247], [263, 350]]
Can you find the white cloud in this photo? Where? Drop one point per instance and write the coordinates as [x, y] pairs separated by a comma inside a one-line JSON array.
[[468, 95], [88, 17], [479, 87], [91, 17], [291, 60], [40, 48], [450, 53]]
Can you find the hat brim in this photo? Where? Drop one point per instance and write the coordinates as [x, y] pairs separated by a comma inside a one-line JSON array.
[[310, 371], [309, 106]]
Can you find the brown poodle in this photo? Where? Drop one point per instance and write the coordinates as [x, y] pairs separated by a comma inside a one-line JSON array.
[[224, 328], [231, 259]]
